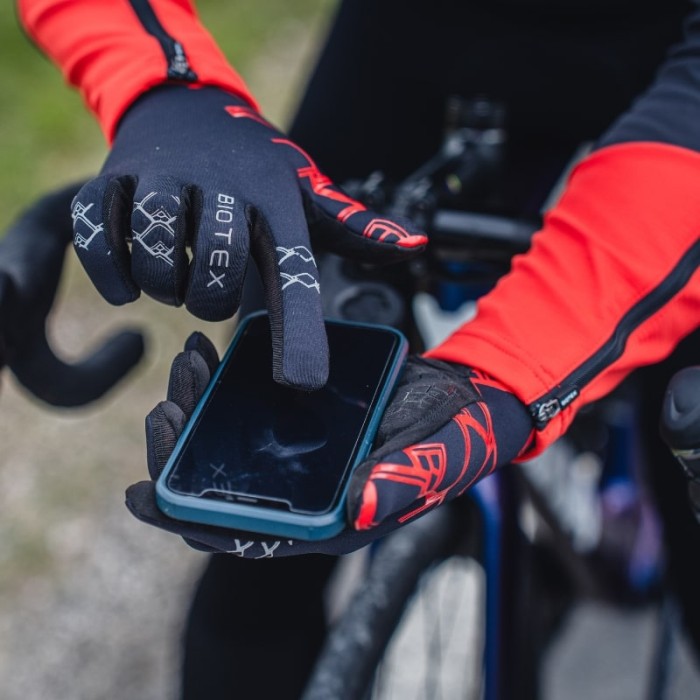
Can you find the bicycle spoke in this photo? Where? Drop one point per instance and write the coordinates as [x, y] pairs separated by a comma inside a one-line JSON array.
[[437, 650]]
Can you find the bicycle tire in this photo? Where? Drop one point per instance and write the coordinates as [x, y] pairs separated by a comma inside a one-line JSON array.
[[361, 653]]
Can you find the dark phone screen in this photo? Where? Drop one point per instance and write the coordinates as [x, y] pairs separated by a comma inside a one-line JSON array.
[[258, 442]]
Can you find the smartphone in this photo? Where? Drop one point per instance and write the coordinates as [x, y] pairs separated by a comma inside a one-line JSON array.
[[266, 458]]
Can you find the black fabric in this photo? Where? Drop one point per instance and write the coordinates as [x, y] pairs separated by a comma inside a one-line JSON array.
[[564, 72], [189, 376], [429, 394], [200, 171], [163, 427], [434, 447], [668, 111], [31, 260], [680, 415], [199, 343]]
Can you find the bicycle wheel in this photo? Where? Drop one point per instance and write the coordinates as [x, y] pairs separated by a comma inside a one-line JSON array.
[[414, 627], [436, 651]]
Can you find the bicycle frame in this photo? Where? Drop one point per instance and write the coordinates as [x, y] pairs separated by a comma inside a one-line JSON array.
[[467, 253]]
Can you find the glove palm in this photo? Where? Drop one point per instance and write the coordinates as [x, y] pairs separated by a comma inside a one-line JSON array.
[[445, 428]]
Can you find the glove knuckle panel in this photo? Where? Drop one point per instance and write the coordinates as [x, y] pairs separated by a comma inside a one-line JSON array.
[[159, 222]]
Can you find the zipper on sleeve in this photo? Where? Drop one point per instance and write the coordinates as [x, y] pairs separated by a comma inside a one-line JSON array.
[[555, 401], [178, 64]]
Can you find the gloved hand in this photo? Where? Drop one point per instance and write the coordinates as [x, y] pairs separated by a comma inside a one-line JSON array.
[[31, 258], [200, 169], [445, 428]]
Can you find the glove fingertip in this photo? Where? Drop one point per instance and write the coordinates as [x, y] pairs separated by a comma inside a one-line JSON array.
[[369, 237], [310, 377], [200, 343], [163, 427], [101, 213], [139, 498], [412, 242], [300, 355], [189, 376]]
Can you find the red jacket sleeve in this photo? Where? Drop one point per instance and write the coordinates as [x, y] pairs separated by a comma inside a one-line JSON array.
[[611, 283], [114, 50]]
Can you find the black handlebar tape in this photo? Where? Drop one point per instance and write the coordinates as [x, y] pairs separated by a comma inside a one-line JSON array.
[[67, 385], [32, 256], [680, 419]]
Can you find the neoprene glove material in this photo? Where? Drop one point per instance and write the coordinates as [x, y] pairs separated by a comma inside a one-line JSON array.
[[446, 428], [443, 430], [31, 259], [199, 169]]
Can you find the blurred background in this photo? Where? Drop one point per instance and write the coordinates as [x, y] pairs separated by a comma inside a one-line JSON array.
[[91, 600]]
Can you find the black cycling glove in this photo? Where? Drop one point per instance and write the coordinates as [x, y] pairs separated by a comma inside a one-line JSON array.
[[444, 429], [31, 258], [199, 169]]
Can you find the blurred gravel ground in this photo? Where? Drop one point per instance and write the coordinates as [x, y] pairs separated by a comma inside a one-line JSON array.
[[90, 599]]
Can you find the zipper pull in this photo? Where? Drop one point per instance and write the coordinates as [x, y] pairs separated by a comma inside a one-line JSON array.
[[544, 410], [178, 65]]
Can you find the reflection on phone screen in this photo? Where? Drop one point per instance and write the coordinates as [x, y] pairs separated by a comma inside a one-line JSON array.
[[258, 442]]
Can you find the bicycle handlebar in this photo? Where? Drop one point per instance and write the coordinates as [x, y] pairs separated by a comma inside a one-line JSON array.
[[31, 260], [680, 419], [439, 196], [472, 229], [68, 385]]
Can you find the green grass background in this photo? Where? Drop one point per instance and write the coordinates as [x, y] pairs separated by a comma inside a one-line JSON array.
[[47, 136]]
